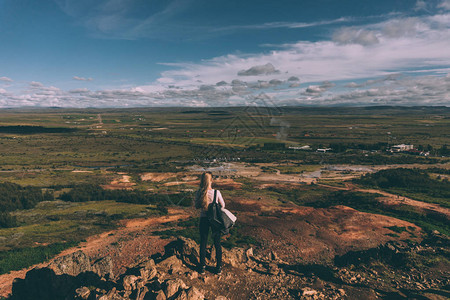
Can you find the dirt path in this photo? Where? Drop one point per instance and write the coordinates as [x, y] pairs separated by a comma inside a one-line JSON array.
[[96, 242], [394, 199]]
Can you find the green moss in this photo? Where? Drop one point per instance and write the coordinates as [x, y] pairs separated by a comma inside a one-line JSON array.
[[23, 258]]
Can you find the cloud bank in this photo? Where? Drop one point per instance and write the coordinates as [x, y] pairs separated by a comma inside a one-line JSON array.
[[400, 61]]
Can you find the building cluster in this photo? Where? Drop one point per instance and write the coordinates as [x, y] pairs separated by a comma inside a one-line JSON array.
[[408, 149]]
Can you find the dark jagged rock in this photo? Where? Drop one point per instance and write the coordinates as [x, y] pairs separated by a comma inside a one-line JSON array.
[[44, 284]]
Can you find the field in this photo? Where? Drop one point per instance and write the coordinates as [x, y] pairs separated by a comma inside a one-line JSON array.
[[142, 165]]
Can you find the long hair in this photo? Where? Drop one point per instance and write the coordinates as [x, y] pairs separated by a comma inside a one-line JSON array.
[[202, 196]]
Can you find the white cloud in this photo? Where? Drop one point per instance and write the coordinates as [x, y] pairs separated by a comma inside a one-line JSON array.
[[355, 36], [81, 78], [79, 91], [36, 84], [359, 66], [401, 27], [259, 70], [420, 5], [5, 79], [445, 5]]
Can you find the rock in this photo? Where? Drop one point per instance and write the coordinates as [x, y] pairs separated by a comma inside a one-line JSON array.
[[221, 298], [103, 267], [155, 285], [148, 264], [273, 269], [234, 257], [43, 283], [148, 273], [140, 283], [111, 294], [82, 292], [273, 255], [194, 294], [181, 295], [172, 286], [129, 282], [172, 264], [308, 292], [341, 292], [249, 253], [193, 275], [160, 296], [186, 249], [72, 264], [141, 293]]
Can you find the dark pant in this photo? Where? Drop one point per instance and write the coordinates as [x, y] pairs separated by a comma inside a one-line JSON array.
[[204, 231]]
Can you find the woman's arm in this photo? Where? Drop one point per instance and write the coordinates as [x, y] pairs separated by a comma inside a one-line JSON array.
[[220, 199]]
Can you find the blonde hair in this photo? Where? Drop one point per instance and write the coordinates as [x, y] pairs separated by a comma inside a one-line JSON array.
[[202, 196]]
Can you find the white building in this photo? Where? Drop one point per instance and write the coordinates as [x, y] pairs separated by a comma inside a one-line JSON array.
[[401, 148]]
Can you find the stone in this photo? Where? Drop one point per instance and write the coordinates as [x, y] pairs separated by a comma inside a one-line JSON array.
[[273, 269], [308, 292], [221, 298], [249, 253], [234, 257], [273, 255], [71, 264], [205, 279], [148, 273], [111, 293], [160, 296], [172, 264], [140, 283], [103, 267], [194, 294], [141, 293], [187, 249], [193, 275], [155, 285], [341, 292], [129, 282], [82, 293], [172, 286], [181, 295], [148, 264]]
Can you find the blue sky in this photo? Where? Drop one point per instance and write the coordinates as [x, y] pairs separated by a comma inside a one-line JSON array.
[[127, 53]]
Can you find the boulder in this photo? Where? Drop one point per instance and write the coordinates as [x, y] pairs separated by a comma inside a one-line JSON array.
[[160, 296], [82, 293], [44, 284], [171, 264], [103, 267], [129, 282], [72, 264], [172, 286], [181, 296], [148, 274], [308, 292], [234, 257], [148, 264], [194, 294], [186, 249], [141, 293]]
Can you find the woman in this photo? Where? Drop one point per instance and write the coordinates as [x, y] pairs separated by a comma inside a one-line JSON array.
[[204, 197]]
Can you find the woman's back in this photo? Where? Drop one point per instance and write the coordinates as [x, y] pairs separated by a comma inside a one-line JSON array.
[[210, 193]]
